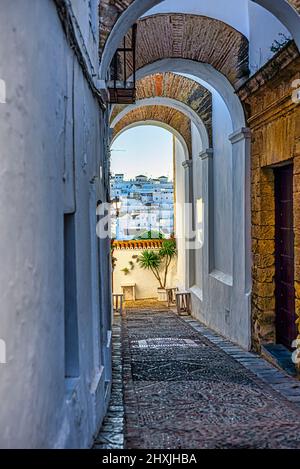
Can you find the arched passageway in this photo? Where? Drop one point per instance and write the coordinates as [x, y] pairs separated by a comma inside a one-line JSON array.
[[240, 145]]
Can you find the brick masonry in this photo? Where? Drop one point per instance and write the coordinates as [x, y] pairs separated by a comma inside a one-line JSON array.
[[196, 38], [110, 10], [180, 88], [164, 114], [275, 123]]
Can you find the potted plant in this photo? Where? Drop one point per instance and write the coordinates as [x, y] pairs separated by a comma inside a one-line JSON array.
[[158, 262]]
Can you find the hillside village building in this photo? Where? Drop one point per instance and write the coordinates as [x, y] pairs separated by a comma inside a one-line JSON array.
[[146, 205]]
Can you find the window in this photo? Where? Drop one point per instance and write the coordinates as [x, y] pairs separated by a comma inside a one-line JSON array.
[[71, 320]]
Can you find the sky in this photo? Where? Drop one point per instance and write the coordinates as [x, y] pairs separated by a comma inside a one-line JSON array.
[[144, 150]]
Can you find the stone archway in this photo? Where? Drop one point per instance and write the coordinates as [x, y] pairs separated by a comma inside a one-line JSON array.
[[164, 115]]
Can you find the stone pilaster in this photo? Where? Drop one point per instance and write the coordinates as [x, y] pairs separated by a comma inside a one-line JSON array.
[[189, 223]]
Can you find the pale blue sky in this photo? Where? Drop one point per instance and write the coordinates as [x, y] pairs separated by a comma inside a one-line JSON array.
[[144, 150]]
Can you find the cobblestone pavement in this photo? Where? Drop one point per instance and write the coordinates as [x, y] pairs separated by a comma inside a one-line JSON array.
[[185, 387]]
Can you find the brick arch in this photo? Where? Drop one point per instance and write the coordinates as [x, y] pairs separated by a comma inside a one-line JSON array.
[[179, 88], [116, 17], [163, 114], [196, 38]]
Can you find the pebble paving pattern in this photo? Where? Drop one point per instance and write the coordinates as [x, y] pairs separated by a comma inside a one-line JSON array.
[[182, 391]]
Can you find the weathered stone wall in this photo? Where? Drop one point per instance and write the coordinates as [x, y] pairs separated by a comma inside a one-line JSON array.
[[164, 114], [275, 123], [180, 88]]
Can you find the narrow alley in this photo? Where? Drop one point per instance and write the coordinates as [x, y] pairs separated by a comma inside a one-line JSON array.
[[186, 387]]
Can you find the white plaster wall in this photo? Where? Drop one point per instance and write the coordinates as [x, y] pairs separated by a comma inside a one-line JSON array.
[[179, 214], [222, 180], [222, 186], [223, 301], [38, 411], [146, 284]]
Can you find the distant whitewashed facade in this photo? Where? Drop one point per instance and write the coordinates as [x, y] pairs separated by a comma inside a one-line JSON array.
[[145, 205]]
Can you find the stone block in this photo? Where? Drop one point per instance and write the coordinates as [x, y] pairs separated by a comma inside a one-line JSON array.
[[263, 260], [263, 232], [264, 275], [264, 290]]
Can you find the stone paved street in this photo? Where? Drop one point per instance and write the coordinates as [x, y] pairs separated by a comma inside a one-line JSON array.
[[181, 390]]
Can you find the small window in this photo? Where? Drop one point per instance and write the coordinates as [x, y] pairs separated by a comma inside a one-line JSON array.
[[70, 284]]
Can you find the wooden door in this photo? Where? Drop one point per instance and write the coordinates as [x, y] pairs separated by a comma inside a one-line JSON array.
[[286, 330]]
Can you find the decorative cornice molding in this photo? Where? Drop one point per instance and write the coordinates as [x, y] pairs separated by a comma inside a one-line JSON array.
[[209, 153], [242, 134]]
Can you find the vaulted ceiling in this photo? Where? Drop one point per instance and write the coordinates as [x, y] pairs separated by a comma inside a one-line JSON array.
[[110, 11], [161, 114]]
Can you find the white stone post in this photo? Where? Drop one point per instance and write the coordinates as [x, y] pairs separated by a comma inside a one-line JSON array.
[[189, 225], [240, 298], [208, 206]]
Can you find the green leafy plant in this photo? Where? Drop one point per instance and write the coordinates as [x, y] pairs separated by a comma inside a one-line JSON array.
[[158, 262], [151, 234], [126, 271]]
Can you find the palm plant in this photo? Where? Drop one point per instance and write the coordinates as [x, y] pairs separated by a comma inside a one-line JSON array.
[[167, 253], [158, 262], [150, 260]]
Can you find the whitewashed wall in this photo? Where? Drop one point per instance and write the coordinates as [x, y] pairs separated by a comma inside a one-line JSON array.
[[50, 125]]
